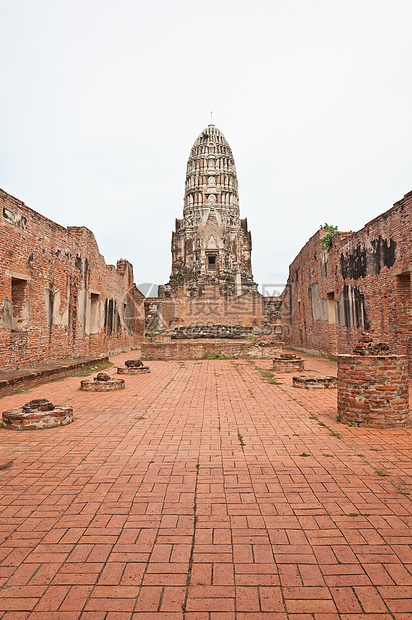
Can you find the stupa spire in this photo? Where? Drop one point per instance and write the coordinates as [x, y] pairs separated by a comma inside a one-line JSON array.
[[211, 244]]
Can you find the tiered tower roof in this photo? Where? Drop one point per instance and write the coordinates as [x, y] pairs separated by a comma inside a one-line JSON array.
[[211, 180], [211, 245]]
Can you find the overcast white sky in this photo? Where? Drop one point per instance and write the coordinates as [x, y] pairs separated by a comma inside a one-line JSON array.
[[102, 100]]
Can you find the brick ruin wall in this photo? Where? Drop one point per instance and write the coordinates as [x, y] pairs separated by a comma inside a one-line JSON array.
[[262, 314], [58, 298], [361, 282]]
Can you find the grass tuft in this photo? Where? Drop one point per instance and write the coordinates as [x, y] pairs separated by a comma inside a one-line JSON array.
[[380, 472], [6, 465], [90, 370]]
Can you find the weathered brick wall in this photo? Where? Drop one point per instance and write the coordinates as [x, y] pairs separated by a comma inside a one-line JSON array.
[[58, 298], [211, 308], [362, 281], [373, 390], [27, 379]]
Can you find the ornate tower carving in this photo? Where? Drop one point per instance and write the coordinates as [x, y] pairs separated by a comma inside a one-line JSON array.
[[211, 246]]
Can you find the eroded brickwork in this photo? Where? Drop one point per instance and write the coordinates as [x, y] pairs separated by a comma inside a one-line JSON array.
[[362, 281], [93, 385], [216, 349], [58, 298], [314, 383], [36, 415], [225, 311], [287, 362], [373, 390]]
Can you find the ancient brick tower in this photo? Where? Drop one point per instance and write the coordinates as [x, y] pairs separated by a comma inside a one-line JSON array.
[[211, 246]]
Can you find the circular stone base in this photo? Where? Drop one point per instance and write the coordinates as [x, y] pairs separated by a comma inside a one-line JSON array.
[[314, 383], [140, 370], [90, 385], [20, 420], [288, 362]]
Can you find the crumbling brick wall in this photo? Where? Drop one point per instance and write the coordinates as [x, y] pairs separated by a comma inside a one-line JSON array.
[[58, 298], [211, 308], [362, 281]]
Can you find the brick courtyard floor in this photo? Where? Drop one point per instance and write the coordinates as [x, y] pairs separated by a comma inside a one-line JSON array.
[[204, 492]]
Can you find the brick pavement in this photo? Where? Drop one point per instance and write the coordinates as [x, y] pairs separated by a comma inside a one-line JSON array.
[[204, 492]]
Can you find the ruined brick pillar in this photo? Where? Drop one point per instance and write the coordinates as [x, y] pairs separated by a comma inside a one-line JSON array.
[[373, 390]]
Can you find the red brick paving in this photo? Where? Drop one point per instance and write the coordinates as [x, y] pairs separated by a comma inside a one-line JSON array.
[[204, 492]]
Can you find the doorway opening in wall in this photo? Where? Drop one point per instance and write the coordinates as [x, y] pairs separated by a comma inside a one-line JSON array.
[[19, 304], [331, 307], [403, 302], [211, 263], [94, 313]]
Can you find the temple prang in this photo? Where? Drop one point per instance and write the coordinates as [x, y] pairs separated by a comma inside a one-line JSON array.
[[211, 245]]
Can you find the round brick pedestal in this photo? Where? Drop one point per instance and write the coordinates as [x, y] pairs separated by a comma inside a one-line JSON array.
[[92, 385], [314, 383], [36, 415], [125, 370], [288, 362], [373, 390]]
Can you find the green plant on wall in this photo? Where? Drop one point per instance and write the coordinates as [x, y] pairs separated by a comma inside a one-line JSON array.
[[327, 239]]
